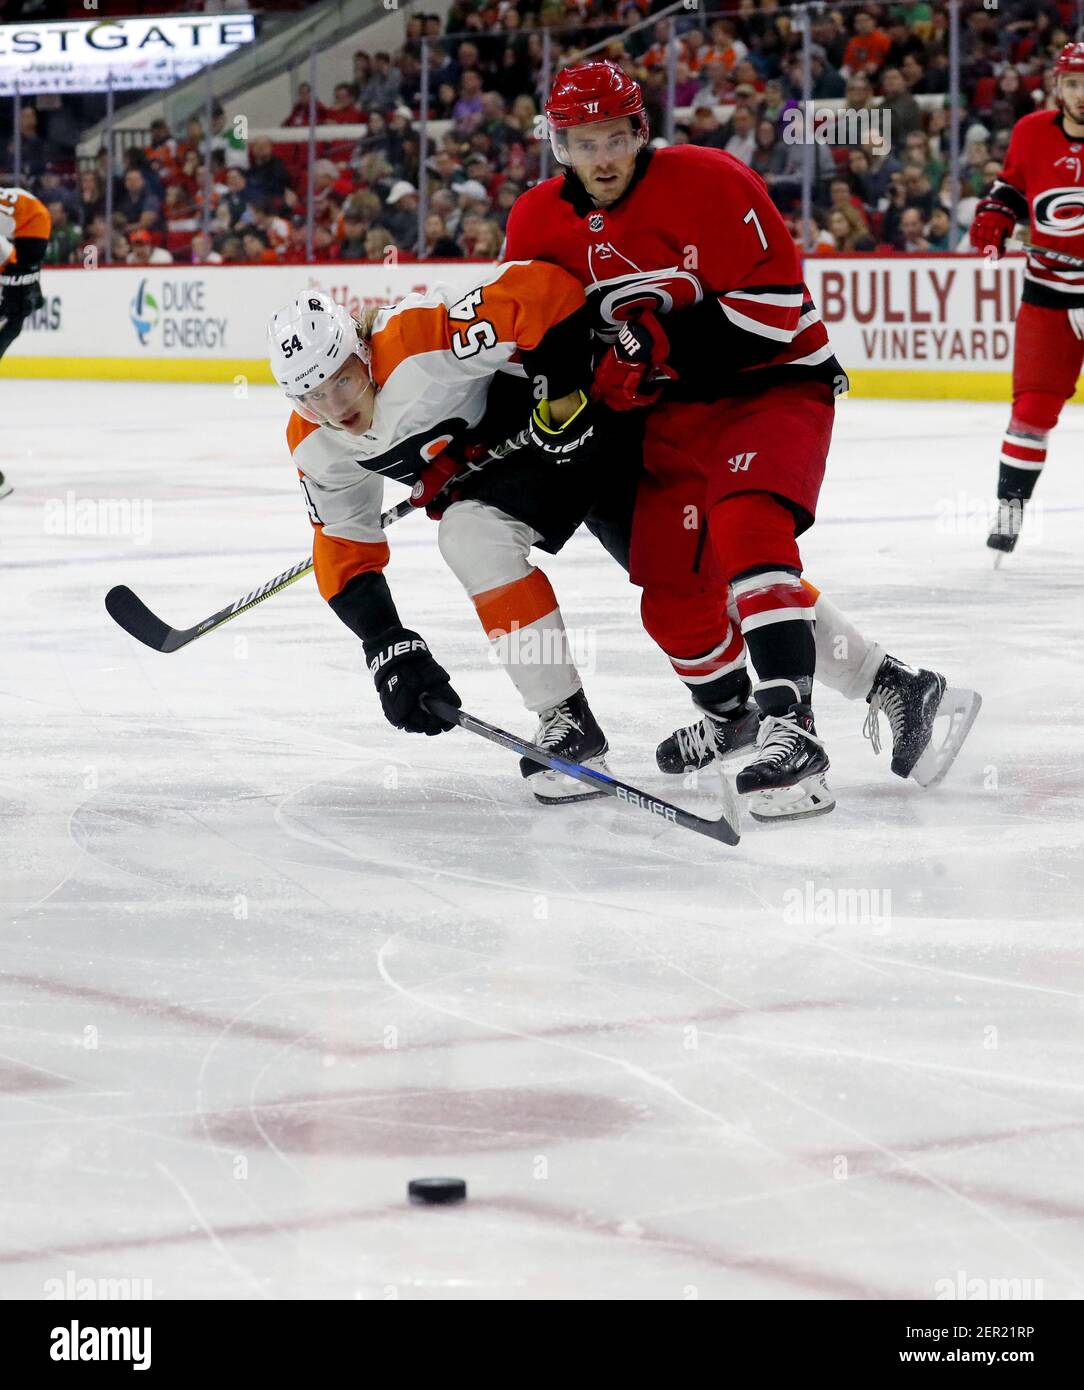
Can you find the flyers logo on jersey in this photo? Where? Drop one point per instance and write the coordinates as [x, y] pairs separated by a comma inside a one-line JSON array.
[[740, 462], [1059, 211]]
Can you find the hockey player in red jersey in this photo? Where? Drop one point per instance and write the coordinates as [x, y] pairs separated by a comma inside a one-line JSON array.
[[1043, 185], [696, 284]]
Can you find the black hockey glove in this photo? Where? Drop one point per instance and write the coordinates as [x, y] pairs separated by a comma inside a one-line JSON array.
[[572, 442], [20, 294], [400, 664]]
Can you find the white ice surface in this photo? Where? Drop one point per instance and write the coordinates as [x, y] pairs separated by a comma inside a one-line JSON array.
[[264, 959]]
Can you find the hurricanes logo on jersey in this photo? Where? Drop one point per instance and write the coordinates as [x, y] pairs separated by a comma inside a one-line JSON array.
[[1059, 211]]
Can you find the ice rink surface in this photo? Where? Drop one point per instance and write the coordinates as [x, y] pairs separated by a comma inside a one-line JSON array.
[[265, 959]]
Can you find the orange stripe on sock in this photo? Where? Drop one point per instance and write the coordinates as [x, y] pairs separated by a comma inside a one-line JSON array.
[[515, 605], [812, 589]]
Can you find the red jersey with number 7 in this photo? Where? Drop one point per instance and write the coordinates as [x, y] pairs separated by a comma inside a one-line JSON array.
[[697, 239]]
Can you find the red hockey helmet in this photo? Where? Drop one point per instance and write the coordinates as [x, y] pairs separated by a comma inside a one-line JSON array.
[[1070, 59], [593, 92]]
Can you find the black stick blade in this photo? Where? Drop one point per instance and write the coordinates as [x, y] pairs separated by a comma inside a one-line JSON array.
[[133, 615]]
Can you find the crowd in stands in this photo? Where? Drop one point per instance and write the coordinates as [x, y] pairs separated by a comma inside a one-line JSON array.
[[737, 78]]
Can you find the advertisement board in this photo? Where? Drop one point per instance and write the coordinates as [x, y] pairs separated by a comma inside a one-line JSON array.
[[908, 326], [132, 54]]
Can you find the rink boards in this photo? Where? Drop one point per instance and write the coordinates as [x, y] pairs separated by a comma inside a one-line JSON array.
[[922, 326]]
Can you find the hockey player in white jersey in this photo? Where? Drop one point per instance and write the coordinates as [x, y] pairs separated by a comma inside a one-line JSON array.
[[402, 394]]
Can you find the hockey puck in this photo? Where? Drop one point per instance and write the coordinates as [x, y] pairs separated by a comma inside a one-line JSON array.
[[437, 1190]]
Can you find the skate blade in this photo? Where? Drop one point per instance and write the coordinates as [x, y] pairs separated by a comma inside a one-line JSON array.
[[6, 489], [999, 555], [962, 709], [556, 789], [809, 797]]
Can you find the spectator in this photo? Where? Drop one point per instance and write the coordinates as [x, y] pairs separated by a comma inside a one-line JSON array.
[[178, 211], [380, 246], [34, 152], [918, 153], [439, 246], [827, 80], [1011, 100], [706, 129], [142, 250], [136, 202], [867, 49], [741, 135], [488, 240], [233, 253], [51, 189], [65, 238], [352, 235], [401, 216], [275, 228], [939, 230], [267, 176], [380, 91], [344, 109], [466, 111], [237, 197], [91, 196], [900, 104], [862, 182], [849, 230], [769, 155], [507, 194], [815, 234], [910, 236], [299, 112], [203, 251], [226, 140], [161, 149], [256, 249]]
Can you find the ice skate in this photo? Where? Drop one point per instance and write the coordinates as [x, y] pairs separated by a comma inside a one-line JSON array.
[[569, 731], [1006, 531], [5, 487], [713, 736], [786, 781], [912, 700]]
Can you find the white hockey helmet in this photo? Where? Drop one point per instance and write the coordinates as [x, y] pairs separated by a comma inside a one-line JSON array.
[[308, 341]]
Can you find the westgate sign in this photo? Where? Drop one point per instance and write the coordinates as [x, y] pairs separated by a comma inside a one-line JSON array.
[[127, 54]]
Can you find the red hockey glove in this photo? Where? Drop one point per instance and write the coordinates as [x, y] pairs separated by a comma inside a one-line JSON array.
[[432, 490], [633, 372], [992, 226], [432, 481]]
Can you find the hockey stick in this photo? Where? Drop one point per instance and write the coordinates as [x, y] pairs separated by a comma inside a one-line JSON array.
[[133, 615], [1022, 239], [723, 829]]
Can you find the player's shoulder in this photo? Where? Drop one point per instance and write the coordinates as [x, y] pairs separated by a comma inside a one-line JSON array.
[[535, 207], [298, 430], [1035, 123], [691, 165]]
